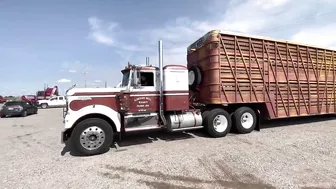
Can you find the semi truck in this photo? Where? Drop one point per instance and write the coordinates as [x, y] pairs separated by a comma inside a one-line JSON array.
[[41, 95], [229, 83]]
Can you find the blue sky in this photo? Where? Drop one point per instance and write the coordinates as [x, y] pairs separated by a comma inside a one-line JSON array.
[[53, 42]]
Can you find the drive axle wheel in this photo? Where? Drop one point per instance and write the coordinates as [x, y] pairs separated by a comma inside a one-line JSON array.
[[245, 120], [92, 136], [218, 123]]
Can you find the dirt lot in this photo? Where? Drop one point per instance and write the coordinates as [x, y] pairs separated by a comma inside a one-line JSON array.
[[302, 155]]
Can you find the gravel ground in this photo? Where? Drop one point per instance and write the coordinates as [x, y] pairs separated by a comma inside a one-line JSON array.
[[302, 155]]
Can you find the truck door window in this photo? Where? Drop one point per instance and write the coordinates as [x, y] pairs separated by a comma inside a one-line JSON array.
[[125, 78], [60, 98], [146, 79]]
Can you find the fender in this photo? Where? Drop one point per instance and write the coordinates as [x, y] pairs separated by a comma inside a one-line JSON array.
[[73, 116]]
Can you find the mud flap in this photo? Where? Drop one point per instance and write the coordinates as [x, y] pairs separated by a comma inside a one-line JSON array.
[[257, 128]]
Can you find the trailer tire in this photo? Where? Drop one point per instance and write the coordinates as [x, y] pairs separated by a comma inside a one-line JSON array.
[[92, 136], [195, 77], [245, 120], [218, 123]]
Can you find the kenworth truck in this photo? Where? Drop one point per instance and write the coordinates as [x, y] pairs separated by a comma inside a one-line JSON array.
[[229, 83]]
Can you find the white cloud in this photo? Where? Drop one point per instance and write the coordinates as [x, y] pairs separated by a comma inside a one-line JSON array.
[[75, 66], [300, 20], [64, 80], [268, 4], [97, 81], [99, 30], [319, 36]]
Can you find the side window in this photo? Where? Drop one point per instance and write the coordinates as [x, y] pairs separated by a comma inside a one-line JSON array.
[[60, 98], [51, 99], [146, 79], [132, 79]]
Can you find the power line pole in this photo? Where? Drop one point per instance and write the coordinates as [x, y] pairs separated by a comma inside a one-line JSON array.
[[105, 84]]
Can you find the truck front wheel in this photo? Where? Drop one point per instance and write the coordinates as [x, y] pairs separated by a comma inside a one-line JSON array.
[[245, 120], [218, 123], [92, 136]]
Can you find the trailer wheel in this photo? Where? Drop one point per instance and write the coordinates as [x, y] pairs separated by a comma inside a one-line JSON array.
[[218, 123], [92, 136], [195, 77], [245, 120]]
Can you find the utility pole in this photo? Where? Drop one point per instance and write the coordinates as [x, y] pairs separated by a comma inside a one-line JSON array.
[[147, 61], [105, 84]]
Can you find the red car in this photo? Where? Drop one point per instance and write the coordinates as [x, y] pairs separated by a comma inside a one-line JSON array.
[[2, 100]]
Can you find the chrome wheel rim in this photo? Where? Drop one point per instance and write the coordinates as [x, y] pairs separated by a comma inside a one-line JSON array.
[[92, 138]]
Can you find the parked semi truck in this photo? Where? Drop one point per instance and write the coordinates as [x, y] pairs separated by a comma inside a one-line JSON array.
[[229, 83]]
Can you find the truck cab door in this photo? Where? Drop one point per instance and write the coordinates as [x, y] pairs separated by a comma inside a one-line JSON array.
[[144, 97]]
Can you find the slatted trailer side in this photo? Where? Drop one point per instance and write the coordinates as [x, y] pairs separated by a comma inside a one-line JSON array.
[[289, 79]]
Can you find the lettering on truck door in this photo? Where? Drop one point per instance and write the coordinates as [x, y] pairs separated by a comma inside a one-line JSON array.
[[144, 98]]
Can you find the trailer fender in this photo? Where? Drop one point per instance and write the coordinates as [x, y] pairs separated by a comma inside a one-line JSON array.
[[195, 77], [73, 117]]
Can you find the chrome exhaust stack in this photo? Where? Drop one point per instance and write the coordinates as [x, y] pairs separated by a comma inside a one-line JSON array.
[[161, 83]]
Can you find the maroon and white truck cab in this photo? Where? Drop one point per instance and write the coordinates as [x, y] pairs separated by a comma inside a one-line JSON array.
[[148, 98]]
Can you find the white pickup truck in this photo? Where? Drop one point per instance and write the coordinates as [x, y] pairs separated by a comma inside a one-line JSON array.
[[53, 102]]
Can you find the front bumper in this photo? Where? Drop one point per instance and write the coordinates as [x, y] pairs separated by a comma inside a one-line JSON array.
[[10, 113], [66, 133]]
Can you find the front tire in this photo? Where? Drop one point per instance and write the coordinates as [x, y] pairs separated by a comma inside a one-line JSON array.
[[245, 120], [218, 123], [24, 113], [92, 136]]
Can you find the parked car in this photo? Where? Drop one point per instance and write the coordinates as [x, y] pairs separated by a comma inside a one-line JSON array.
[[2, 100], [18, 108], [53, 102]]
